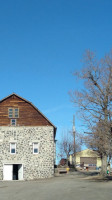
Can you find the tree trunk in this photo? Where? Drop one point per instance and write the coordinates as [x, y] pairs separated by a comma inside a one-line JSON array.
[[104, 165], [68, 160]]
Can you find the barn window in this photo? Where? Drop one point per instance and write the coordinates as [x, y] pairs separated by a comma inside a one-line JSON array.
[[13, 112], [12, 148], [13, 122], [35, 148], [10, 112]]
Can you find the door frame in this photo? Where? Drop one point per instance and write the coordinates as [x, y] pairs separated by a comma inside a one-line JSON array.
[[12, 170]]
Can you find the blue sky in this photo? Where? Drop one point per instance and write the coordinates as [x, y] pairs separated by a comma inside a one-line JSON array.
[[41, 45]]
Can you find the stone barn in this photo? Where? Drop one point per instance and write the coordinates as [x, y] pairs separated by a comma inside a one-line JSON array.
[[27, 141]]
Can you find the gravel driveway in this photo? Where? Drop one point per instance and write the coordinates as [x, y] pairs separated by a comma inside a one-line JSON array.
[[64, 187]]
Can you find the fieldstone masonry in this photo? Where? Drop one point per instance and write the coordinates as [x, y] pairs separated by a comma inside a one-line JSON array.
[[35, 166]]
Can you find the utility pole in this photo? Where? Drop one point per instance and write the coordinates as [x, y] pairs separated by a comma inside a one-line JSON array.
[[74, 140]]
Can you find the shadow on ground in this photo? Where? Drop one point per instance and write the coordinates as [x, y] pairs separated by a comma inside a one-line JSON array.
[[95, 176]]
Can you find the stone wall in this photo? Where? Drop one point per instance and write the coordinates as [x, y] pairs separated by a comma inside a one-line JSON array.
[[35, 166]]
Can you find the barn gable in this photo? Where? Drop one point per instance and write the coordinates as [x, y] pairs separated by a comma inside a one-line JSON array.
[[29, 115]]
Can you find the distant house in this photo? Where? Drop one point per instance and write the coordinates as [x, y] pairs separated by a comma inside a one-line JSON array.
[[63, 162], [27, 141], [87, 158]]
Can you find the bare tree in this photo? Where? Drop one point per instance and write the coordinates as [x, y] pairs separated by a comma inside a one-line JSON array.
[[100, 137], [95, 100], [66, 145]]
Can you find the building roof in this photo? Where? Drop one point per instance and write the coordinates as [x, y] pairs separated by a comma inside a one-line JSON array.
[[14, 94], [89, 151]]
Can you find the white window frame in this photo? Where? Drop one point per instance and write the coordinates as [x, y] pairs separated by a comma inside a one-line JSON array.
[[11, 147], [34, 147], [10, 112], [13, 124], [14, 113]]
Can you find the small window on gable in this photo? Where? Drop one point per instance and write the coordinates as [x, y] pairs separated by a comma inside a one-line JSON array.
[[35, 148], [13, 112], [16, 112], [13, 148], [13, 122], [10, 113]]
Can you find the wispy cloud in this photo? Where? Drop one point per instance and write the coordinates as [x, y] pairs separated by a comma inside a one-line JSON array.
[[57, 108]]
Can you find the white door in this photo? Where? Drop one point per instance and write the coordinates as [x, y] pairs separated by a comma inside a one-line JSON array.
[[20, 172], [7, 172]]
